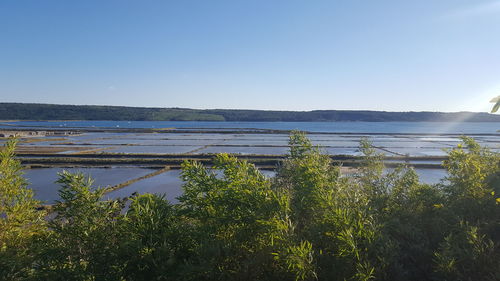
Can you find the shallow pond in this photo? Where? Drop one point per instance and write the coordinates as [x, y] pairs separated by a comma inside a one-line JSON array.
[[42, 181], [168, 183], [415, 151], [180, 143], [153, 149], [245, 150]]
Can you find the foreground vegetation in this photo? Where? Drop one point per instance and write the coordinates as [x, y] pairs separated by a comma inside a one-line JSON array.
[[233, 223], [31, 111]]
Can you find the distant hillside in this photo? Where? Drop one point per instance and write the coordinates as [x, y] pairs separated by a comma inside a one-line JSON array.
[[32, 111]]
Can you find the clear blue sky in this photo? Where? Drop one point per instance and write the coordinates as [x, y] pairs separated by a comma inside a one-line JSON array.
[[437, 55]]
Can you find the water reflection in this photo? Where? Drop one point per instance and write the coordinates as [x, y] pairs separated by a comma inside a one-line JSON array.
[[42, 181]]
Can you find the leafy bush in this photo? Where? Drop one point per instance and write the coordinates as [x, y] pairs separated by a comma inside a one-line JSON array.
[[20, 223], [309, 222], [84, 234]]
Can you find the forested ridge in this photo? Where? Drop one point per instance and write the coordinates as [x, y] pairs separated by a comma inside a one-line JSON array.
[[32, 111], [233, 223]]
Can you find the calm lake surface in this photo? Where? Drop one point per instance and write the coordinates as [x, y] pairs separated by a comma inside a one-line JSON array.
[[43, 181], [332, 127]]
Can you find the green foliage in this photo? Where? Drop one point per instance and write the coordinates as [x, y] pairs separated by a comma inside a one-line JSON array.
[[84, 233], [20, 222], [466, 254], [309, 177], [497, 104], [309, 222], [471, 249], [240, 221], [157, 241]]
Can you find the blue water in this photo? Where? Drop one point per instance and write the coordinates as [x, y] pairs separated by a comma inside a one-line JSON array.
[[468, 128]]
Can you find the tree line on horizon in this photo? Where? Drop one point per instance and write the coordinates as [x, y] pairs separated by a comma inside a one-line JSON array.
[[309, 222], [31, 111]]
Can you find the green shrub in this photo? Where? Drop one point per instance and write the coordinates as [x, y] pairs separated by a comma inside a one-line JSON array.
[[21, 224], [309, 222]]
